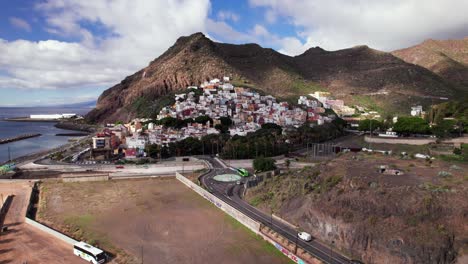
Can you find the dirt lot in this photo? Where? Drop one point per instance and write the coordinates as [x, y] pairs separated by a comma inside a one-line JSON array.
[[23, 243], [159, 220]]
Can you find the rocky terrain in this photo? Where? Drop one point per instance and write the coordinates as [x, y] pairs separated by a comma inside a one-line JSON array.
[[418, 216], [446, 58], [358, 71]]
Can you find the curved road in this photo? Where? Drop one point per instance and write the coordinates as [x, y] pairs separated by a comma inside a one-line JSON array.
[[231, 194]]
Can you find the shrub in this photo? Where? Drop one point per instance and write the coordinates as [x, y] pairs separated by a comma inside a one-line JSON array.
[[264, 164]]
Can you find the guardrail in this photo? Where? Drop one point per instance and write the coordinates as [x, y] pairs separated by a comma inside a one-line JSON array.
[[253, 225], [247, 221]]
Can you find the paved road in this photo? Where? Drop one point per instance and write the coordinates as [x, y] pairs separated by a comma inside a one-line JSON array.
[[231, 193]]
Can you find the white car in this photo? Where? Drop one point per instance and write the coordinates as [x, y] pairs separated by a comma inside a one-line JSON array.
[[304, 236]]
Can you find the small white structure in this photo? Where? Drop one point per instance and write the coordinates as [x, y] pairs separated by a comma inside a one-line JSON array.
[[422, 156], [389, 134], [53, 116], [226, 79], [416, 110]]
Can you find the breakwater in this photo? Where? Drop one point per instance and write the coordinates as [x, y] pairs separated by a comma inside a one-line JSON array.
[[17, 138]]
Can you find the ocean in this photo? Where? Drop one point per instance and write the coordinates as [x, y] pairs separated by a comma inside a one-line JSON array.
[[48, 140]]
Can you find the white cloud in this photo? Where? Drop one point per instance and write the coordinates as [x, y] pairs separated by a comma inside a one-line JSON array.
[[20, 23], [292, 46], [223, 30], [228, 15], [258, 34], [270, 16], [138, 31], [260, 30], [386, 24]]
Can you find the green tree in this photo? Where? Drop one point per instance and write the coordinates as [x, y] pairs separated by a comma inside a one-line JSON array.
[[203, 119], [272, 126], [225, 121], [369, 124], [153, 150], [444, 128], [411, 125], [264, 164], [167, 121]]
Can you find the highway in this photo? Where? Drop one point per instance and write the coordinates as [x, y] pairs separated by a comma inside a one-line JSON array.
[[231, 194]]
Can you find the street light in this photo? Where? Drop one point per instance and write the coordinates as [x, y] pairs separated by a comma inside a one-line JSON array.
[[331, 250], [297, 238], [271, 217]]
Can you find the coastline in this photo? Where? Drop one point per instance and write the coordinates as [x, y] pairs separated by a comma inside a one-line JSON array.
[[27, 119], [74, 126], [40, 154]]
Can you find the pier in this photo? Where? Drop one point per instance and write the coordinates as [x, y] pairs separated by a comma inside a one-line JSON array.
[[17, 138]]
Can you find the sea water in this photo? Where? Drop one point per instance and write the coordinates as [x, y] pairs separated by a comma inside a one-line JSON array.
[[48, 140]]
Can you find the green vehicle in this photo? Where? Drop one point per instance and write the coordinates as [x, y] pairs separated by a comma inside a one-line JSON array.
[[242, 172]]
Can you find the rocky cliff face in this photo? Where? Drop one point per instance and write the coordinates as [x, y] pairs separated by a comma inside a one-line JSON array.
[[417, 217], [194, 59], [446, 58]]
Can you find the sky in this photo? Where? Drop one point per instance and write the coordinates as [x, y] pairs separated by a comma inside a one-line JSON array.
[[69, 51]]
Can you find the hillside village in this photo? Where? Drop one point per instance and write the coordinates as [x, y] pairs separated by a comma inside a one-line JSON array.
[[214, 106]]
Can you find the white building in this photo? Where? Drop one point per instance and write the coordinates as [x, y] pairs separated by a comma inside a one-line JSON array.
[[53, 116], [136, 142], [416, 110]]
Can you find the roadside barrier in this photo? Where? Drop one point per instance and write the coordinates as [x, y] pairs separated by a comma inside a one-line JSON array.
[[251, 224]]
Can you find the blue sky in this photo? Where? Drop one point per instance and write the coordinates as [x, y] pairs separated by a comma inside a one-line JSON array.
[[59, 51]]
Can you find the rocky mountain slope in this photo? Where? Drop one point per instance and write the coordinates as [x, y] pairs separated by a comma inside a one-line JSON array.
[[447, 58], [356, 71], [418, 216]]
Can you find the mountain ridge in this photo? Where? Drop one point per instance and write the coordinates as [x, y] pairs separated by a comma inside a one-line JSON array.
[[446, 58], [193, 59]]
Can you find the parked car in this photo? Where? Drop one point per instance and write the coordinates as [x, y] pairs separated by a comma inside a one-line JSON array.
[[305, 236], [119, 167]]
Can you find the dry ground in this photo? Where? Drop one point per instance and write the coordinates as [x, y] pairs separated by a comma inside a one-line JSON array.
[[347, 200], [160, 220], [23, 243]]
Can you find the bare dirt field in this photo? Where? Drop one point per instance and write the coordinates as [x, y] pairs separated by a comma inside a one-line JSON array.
[[23, 243], [157, 220]]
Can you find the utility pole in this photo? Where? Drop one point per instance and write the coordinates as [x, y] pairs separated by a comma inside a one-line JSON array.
[[271, 217], [142, 254], [331, 250], [370, 142], [297, 238]]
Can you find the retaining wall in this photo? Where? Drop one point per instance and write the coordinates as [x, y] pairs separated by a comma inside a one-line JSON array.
[[408, 141], [245, 220], [5, 207], [253, 225], [51, 231], [84, 178]]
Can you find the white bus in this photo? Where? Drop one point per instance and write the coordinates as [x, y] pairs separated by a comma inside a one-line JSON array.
[[89, 253]]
